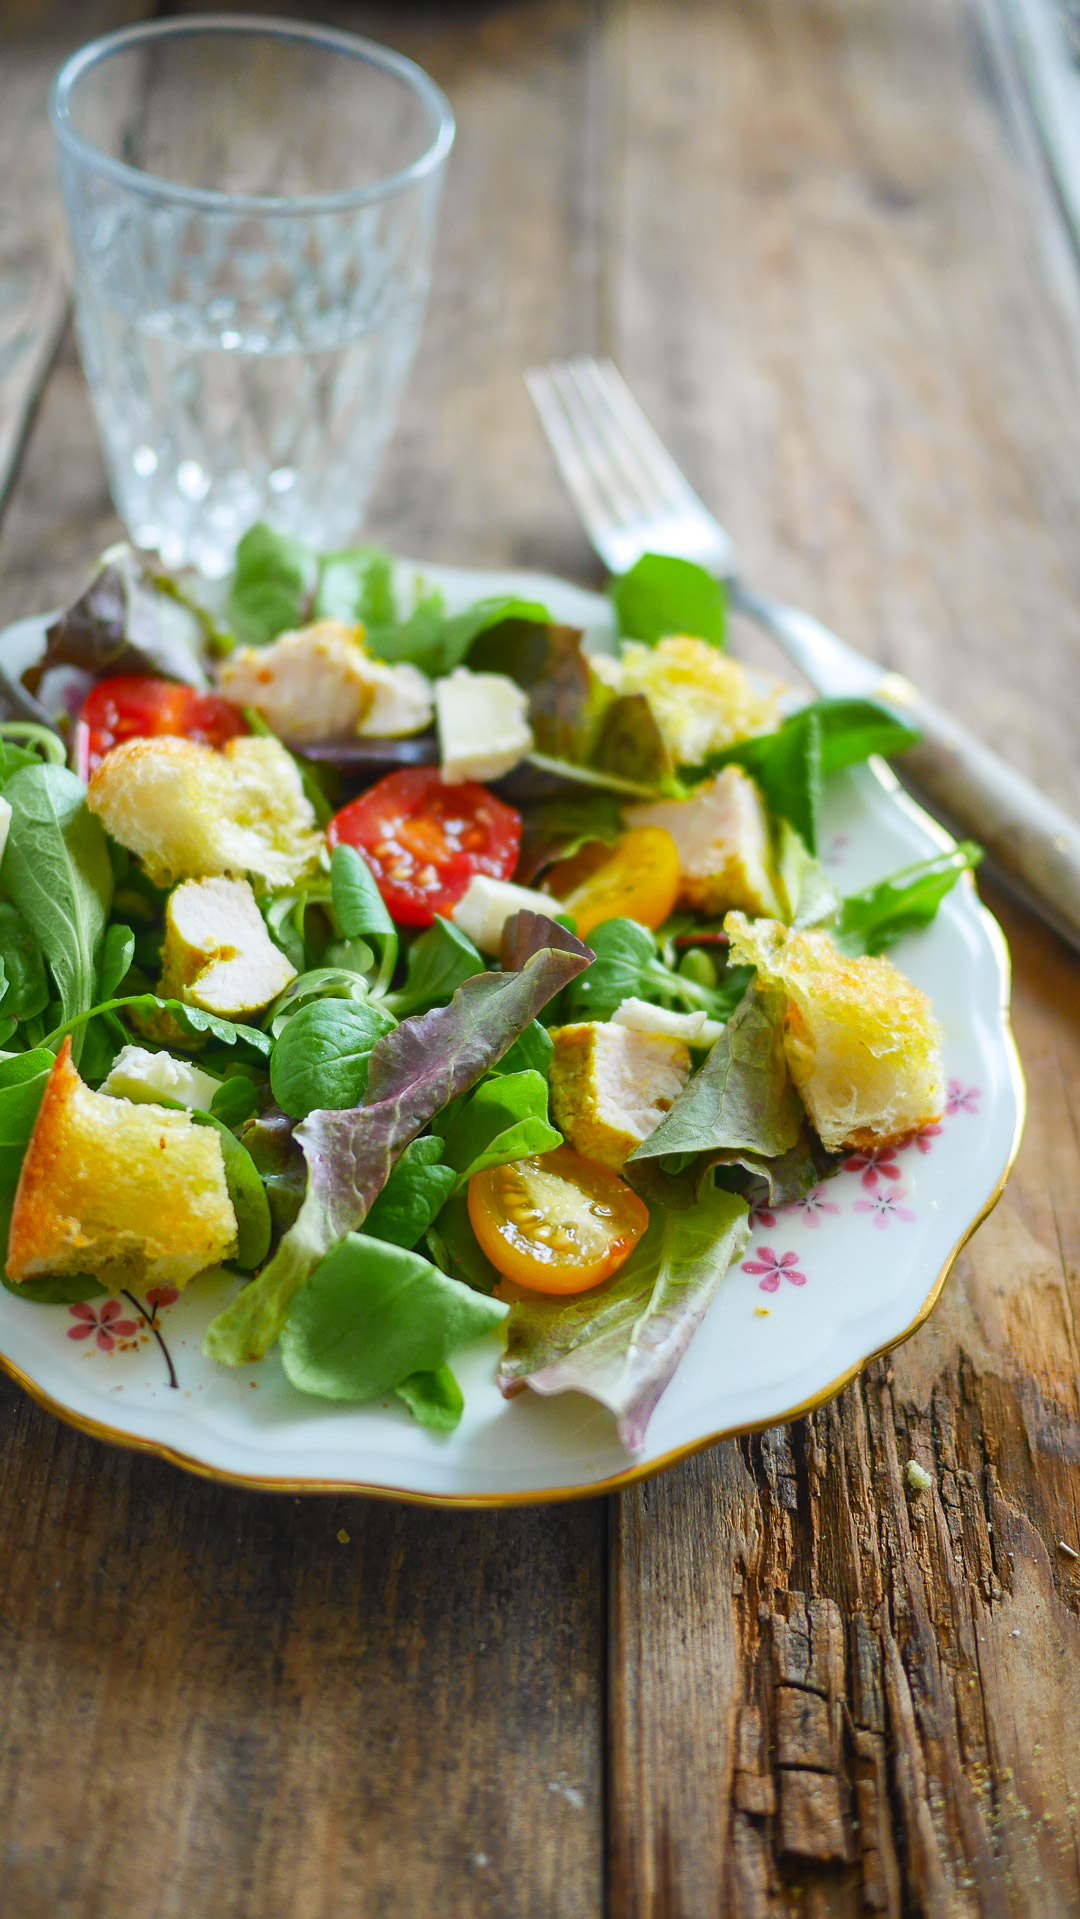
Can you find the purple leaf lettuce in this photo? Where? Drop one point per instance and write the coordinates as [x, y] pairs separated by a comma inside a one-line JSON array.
[[413, 1073], [621, 1342]]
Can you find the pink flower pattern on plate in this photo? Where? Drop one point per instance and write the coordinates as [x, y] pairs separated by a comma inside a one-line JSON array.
[[775, 1267], [923, 1139], [812, 1205], [103, 1323], [834, 852], [885, 1206], [876, 1162], [962, 1099], [761, 1213]]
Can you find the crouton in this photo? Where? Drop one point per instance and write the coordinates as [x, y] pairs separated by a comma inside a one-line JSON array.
[[191, 812], [724, 844], [701, 700], [134, 1194], [320, 681], [218, 953], [611, 1086], [862, 1043]]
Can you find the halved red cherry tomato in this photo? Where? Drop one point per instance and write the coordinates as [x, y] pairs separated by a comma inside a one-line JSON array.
[[556, 1222], [134, 707], [424, 841]]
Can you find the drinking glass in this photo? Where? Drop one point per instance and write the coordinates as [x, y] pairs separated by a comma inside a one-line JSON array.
[[252, 206]]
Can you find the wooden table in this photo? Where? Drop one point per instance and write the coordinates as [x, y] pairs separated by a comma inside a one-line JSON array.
[[818, 238]]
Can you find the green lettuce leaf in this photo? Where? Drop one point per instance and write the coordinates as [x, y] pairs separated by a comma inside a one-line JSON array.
[[506, 1118], [413, 1195], [662, 595], [741, 1100], [413, 1073], [628, 966], [56, 869], [621, 1342], [435, 1400], [439, 961], [873, 920], [372, 1315], [274, 583], [321, 1057]]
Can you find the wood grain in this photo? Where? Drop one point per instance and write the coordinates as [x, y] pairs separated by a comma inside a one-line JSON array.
[[830, 1694]]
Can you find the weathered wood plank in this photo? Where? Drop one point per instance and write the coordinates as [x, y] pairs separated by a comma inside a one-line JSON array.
[[830, 1694]]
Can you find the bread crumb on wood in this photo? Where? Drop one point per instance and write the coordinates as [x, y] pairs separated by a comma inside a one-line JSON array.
[[917, 1477], [1069, 1551]]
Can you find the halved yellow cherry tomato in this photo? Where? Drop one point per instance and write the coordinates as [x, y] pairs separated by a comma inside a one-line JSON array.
[[555, 1223], [639, 880]]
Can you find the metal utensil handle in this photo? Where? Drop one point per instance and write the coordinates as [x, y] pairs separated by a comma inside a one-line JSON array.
[[1029, 839]]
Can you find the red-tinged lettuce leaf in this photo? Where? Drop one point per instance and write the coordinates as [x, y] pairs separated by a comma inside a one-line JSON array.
[[547, 661], [742, 1100], [528, 933], [130, 619], [413, 1073], [621, 1342]]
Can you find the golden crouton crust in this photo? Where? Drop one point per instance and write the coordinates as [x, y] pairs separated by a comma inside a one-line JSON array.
[[192, 812], [134, 1193], [576, 1081], [862, 1043]]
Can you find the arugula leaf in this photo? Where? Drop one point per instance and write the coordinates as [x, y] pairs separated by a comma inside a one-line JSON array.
[[873, 920], [117, 953], [506, 1118], [57, 871], [790, 764], [661, 595], [417, 639], [321, 1057], [130, 619], [628, 966], [621, 1342], [556, 829], [360, 910], [439, 961], [193, 1021], [27, 991], [273, 585], [741, 1099], [435, 1399], [413, 1195], [372, 1315], [413, 1073]]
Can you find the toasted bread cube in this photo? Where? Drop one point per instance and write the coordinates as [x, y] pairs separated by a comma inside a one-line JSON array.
[[724, 845], [701, 699], [611, 1086], [320, 681], [218, 953], [134, 1194], [862, 1042], [191, 812]]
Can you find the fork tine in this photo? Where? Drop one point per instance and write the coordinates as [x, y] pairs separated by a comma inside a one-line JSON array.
[[569, 458], [618, 453], [647, 449], [629, 506]]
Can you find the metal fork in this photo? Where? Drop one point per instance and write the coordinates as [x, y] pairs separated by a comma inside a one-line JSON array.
[[634, 500]]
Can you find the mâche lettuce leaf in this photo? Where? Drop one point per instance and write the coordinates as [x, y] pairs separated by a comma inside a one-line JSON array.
[[621, 1342], [413, 1073], [628, 966], [741, 1100], [321, 1057], [372, 1315], [505, 1118], [413, 1195]]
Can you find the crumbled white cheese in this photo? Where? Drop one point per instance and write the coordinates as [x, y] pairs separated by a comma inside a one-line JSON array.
[[401, 701], [917, 1477], [483, 910], [483, 728], [141, 1075], [697, 1029]]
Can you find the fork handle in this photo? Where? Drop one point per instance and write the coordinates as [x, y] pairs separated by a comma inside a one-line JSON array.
[[1032, 843]]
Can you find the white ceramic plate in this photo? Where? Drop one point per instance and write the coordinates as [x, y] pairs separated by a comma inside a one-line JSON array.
[[822, 1288]]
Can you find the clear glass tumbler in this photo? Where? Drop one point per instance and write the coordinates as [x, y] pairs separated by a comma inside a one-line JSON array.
[[252, 206]]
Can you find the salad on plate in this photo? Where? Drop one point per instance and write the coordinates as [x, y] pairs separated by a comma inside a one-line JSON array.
[[431, 977]]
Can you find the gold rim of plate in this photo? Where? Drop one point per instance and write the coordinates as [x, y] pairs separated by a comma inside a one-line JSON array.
[[633, 1475]]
